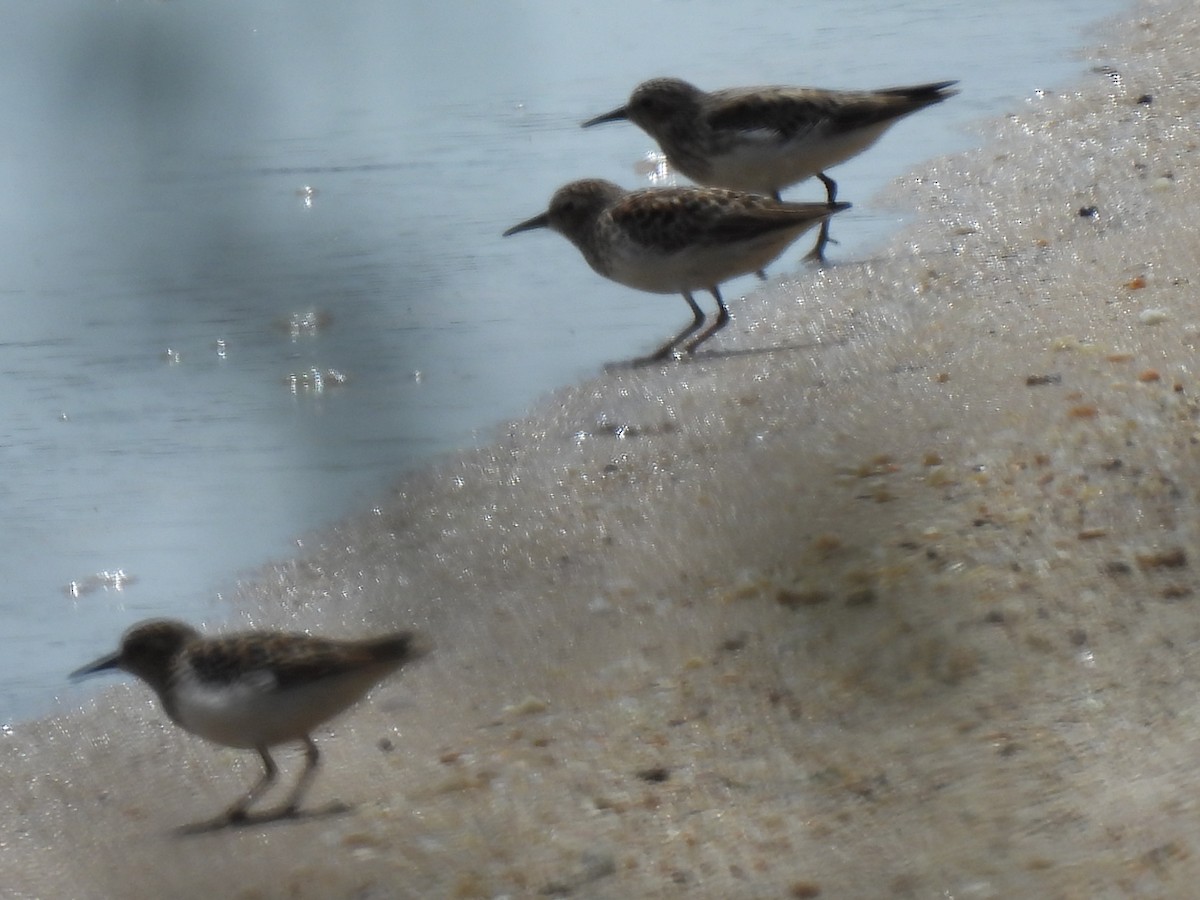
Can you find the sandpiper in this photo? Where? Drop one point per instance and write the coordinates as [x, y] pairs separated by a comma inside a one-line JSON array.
[[764, 139], [255, 689], [676, 240]]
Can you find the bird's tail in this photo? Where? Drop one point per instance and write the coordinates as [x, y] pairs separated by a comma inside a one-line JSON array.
[[923, 94], [400, 648]]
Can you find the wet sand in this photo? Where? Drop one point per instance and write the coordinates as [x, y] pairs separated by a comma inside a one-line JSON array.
[[888, 593]]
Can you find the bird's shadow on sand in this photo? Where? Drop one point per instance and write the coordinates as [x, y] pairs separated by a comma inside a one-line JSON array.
[[646, 362], [267, 817]]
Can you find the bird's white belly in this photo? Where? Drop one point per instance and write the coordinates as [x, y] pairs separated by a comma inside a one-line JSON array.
[[765, 165], [700, 267], [658, 274], [254, 713]]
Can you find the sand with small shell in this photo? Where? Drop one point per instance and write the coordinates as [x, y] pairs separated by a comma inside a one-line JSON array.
[[891, 592]]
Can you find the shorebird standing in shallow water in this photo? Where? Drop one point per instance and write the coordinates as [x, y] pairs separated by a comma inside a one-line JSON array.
[[255, 690], [764, 139], [676, 240]]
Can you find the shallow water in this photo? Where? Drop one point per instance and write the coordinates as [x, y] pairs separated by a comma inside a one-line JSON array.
[[162, 234]]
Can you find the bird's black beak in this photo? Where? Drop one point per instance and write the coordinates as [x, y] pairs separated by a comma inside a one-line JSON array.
[[103, 664], [541, 220], [616, 115]]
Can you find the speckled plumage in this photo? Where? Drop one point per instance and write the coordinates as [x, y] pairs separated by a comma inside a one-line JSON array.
[[293, 659], [255, 689], [764, 139], [676, 240]]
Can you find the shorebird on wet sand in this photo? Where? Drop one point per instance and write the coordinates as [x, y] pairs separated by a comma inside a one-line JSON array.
[[676, 240], [764, 139], [255, 690]]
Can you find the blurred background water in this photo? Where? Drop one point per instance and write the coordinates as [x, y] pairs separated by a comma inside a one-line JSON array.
[[205, 204]]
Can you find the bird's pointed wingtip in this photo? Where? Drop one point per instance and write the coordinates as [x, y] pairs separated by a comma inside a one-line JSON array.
[[940, 90]]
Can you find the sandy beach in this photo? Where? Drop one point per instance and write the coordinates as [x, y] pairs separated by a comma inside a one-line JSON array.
[[886, 593]]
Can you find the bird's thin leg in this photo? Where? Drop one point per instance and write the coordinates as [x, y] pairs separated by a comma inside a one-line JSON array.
[[830, 188], [668, 349], [721, 321], [817, 253], [312, 757], [237, 812]]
